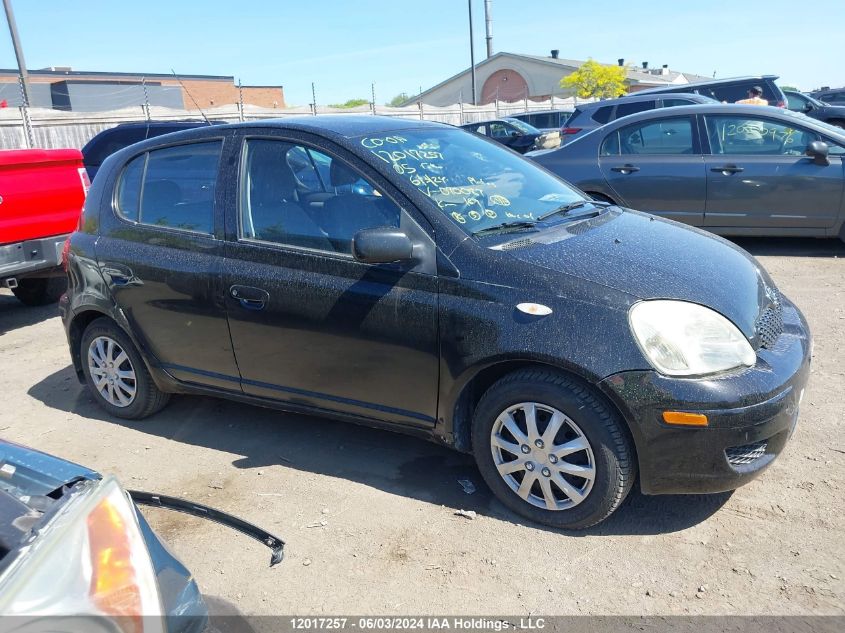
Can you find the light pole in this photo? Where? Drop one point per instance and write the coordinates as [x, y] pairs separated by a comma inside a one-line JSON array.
[[471, 53], [13, 29]]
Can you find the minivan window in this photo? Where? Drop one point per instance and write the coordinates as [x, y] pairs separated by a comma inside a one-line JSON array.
[[665, 136], [177, 189], [298, 196], [475, 183], [731, 93], [670, 103]]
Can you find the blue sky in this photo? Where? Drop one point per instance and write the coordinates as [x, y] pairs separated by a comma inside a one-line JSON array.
[[344, 46]]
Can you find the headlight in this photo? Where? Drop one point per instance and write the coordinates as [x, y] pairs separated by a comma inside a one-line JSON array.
[[90, 560], [686, 339]]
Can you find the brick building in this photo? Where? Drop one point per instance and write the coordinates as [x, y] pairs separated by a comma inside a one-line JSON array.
[[68, 89]]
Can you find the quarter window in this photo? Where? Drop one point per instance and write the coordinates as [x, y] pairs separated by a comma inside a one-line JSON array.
[[665, 136], [295, 195], [741, 135], [171, 187]]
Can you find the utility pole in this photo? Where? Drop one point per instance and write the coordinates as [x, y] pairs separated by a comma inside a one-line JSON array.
[[13, 29], [488, 25], [471, 54]]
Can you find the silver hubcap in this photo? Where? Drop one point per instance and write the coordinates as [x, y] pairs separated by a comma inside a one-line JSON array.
[[543, 456], [111, 371]]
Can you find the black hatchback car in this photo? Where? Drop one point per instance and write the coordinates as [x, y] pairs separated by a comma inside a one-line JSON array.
[[464, 295]]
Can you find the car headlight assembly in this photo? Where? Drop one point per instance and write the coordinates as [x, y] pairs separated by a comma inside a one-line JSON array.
[[686, 339]]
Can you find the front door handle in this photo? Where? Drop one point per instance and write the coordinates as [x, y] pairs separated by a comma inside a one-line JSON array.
[[250, 298], [625, 169], [727, 170]]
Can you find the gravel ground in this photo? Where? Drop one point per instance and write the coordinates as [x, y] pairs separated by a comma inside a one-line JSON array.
[[369, 516]]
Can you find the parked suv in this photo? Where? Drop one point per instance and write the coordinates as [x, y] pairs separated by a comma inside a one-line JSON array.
[[729, 90], [835, 96], [465, 295], [589, 116], [799, 102]]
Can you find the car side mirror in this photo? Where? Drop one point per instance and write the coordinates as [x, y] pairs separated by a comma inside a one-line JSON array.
[[515, 134], [818, 151], [381, 246], [808, 107]]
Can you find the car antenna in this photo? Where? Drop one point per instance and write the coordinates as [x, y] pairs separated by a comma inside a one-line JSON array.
[[179, 79]]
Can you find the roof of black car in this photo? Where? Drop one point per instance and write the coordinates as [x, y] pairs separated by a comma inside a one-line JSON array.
[[634, 97], [349, 125]]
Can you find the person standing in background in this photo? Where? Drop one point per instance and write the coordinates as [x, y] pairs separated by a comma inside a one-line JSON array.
[[755, 97]]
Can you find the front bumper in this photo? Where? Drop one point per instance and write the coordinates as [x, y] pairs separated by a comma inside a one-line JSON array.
[[751, 413]]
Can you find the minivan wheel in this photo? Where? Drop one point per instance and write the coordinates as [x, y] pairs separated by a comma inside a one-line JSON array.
[[39, 291], [551, 449], [116, 374]]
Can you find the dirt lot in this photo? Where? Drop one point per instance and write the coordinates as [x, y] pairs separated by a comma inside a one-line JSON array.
[[368, 515]]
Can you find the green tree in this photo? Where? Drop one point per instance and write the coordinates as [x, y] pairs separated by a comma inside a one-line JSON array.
[[398, 100], [352, 103], [596, 80]]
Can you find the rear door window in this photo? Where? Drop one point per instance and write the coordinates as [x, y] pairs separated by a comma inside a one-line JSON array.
[[664, 136], [172, 187]]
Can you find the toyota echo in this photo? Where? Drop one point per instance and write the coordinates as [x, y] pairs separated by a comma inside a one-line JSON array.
[[416, 277]]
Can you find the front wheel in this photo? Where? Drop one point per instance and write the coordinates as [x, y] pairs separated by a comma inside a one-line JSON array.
[[116, 374], [552, 450]]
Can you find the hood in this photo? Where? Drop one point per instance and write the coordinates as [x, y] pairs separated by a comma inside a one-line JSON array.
[[33, 473], [654, 258]]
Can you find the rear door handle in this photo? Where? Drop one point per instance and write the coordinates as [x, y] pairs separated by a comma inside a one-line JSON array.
[[727, 169], [625, 169], [250, 298]]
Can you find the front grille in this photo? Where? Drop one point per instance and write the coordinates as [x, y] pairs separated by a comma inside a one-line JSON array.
[[739, 455], [769, 324]]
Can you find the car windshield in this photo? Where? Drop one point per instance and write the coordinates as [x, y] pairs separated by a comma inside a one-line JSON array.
[[475, 182], [523, 127]]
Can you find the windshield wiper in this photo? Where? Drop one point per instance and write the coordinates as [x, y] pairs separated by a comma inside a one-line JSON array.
[[507, 226], [571, 206]]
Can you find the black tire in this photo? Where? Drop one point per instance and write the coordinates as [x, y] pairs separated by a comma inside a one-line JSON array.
[[613, 457], [39, 291], [148, 399]]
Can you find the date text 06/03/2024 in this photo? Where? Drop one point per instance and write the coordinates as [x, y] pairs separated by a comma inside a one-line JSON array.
[[417, 623]]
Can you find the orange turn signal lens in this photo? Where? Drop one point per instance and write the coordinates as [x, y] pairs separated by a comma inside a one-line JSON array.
[[681, 418]]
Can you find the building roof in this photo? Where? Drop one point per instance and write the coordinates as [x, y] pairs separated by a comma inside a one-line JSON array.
[[66, 73], [633, 76]]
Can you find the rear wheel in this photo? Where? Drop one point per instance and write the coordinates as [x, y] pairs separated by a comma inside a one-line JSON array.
[[39, 291], [552, 450], [116, 374]]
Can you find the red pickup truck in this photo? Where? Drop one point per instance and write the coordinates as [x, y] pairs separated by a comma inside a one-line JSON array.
[[41, 196]]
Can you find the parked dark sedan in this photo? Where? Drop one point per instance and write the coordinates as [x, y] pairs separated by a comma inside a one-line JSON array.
[[513, 133], [472, 298], [815, 109], [732, 169]]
